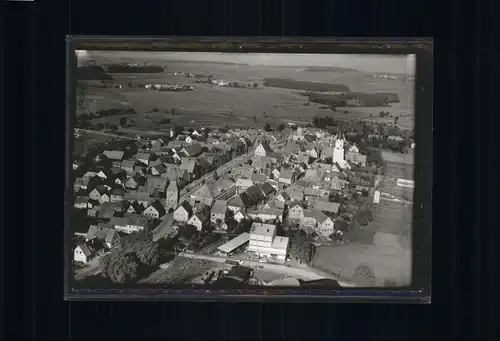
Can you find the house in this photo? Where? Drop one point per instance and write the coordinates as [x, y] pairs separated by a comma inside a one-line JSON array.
[[102, 174], [287, 177], [83, 253], [77, 164], [108, 236], [116, 195], [192, 150], [316, 193], [325, 206], [165, 229], [327, 153], [142, 198], [176, 174], [239, 216], [356, 158], [158, 169], [218, 212], [353, 149], [295, 194], [283, 197], [188, 139], [81, 184], [212, 159], [172, 195], [82, 202], [243, 184], [156, 182], [325, 225], [114, 155], [275, 173], [97, 192], [154, 211], [239, 202], [255, 194], [134, 182], [129, 224], [263, 149], [309, 217], [196, 133], [197, 220], [310, 138], [267, 214], [203, 195], [267, 189], [189, 165], [134, 208], [313, 152], [183, 212], [296, 211], [144, 158]]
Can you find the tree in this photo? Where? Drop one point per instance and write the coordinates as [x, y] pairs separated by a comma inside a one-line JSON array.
[[267, 127], [147, 253], [113, 128], [123, 121], [381, 114], [396, 118], [254, 118], [281, 127], [255, 85], [120, 267], [100, 126]]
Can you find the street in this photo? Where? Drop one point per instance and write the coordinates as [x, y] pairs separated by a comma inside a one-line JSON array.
[[107, 134], [310, 274]]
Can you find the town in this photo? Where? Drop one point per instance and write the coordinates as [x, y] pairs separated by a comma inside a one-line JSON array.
[[224, 205]]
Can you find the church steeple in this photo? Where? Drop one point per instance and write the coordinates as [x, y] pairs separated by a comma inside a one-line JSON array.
[[340, 134]]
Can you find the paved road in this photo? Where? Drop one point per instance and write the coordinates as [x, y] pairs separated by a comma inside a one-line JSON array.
[[311, 274], [107, 134]]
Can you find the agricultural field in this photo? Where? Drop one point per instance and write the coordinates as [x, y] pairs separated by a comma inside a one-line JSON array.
[[384, 246], [216, 106]]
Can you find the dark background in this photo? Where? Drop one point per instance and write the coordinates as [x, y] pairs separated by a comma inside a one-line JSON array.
[[465, 300]]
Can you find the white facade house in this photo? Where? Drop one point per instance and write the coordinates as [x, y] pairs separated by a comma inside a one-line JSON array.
[[265, 244], [129, 224]]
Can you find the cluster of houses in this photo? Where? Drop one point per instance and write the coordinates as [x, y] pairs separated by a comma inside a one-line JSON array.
[[292, 183]]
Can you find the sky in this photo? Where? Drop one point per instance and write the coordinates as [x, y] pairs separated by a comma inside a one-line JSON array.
[[404, 64]]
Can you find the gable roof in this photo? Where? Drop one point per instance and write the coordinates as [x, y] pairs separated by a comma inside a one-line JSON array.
[[256, 177], [156, 181], [267, 189], [158, 207], [187, 207], [165, 228], [188, 164], [114, 154], [193, 149], [286, 174], [219, 207], [133, 220]]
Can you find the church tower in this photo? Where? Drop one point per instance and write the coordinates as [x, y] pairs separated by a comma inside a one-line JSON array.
[[338, 151]]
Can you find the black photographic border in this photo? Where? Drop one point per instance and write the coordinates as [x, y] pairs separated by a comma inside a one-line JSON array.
[[419, 291]]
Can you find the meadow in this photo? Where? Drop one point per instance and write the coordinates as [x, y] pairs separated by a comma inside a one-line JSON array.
[[217, 106]]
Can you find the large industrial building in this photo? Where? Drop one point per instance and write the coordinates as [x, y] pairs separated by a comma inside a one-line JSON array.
[[265, 244]]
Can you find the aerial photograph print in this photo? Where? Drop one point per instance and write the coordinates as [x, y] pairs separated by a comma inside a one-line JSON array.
[[233, 170]]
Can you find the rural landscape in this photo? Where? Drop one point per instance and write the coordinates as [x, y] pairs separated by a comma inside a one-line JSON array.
[[242, 170]]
